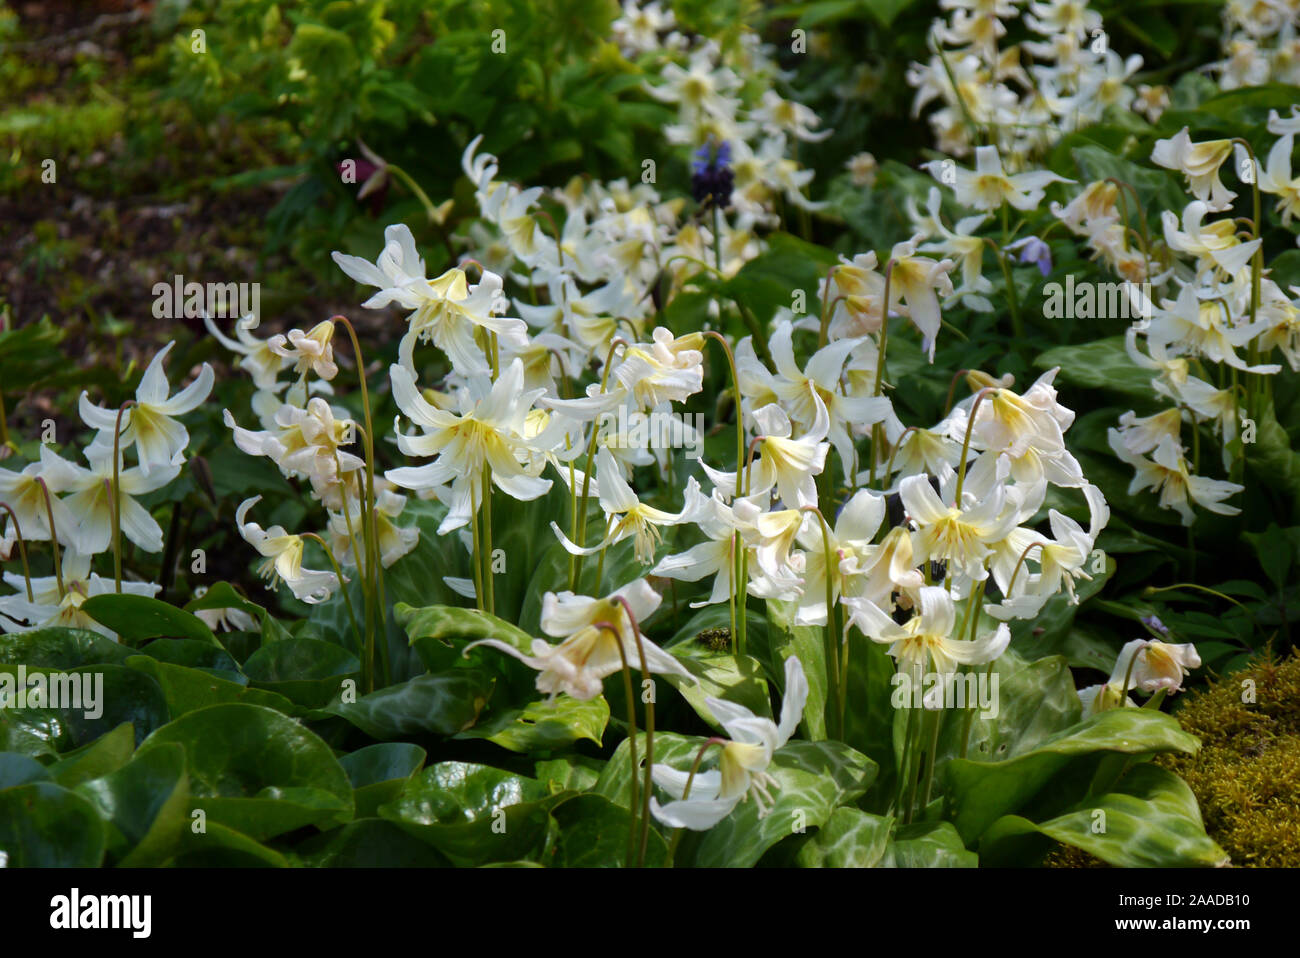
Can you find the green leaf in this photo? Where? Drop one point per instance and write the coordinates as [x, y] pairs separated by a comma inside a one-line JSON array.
[[147, 800], [545, 725], [851, 838], [187, 689], [436, 630], [732, 678], [43, 825], [1150, 821], [982, 792], [106, 754], [219, 846], [18, 769], [594, 834], [475, 814], [928, 845], [370, 843], [309, 672], [222, 595], [258, 771], [1101, 364], [138, 617], [442, 703], [807, 644], [378, 771], [59, 648]]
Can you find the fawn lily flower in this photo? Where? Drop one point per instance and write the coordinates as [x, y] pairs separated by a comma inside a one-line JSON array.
[[635, 519], [91, 501], [1216, 241], [926, 638], [283, 554], [742, 768], [394, 541], [848, 539], [149, 424], [1200, 163], [260, 361], [804, 393], [48, 609], [959, 534], [916, 281], [667, 370], [488, 431], [790, 465], [1277, 179], [21, 492], [312, 351], [592, 631], [713, 557], [1200, 326], [1156, 665], [227, 619], [988, 186], [1167, 473]]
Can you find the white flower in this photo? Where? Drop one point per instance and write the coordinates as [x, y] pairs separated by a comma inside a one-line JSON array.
[[308, 351], [789, 465], [592, 631], [1200, 163], [926, 639], [489, 431], [48, 609], [283, 554], [988, 186], [91, 502], [149, 424], [742, 768], [261, 362]]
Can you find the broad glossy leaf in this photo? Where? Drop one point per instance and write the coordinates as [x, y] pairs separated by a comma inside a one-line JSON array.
[[308, 672], [545, 725], [194, 654], [258, 771], [982, 792], [378, 771], [594, 834], [138, 617], [18, 769], [433, 704], [439, 633], [475, 814], [371, 843], [186, 689], [222, 595], [147, 800], [219, 846], [43, 825], [59, 648], [1150, 821], [808, 644], [1102, 364], [851, 838], [927, 845], [106, 754], [738, 679]]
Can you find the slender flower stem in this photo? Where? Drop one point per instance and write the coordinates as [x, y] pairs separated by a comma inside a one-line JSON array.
[[373, 578], [649, 729], [579, 533], [739, 581], [488, 574], [834, 679], [686, 792], [965, 445], [54, 537], [936, 720], [116, 497], [631, 738], [343, 587], [22, 548]]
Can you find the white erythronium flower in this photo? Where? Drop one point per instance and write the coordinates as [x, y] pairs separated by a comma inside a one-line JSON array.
[[446, 310], [227, 619], [1166, 472], [789, 465], [283, 554], [963, 534], [669, 369], [260, 361], [489, 431], [988, 186], [394, 541], [626, 515], [22, 493], [1200, 163], [742, 767], [926, 641], [48, 609], [592, 631], [1145, 665], [915, 285], [91, 501], [309, 352], [150, 424]]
